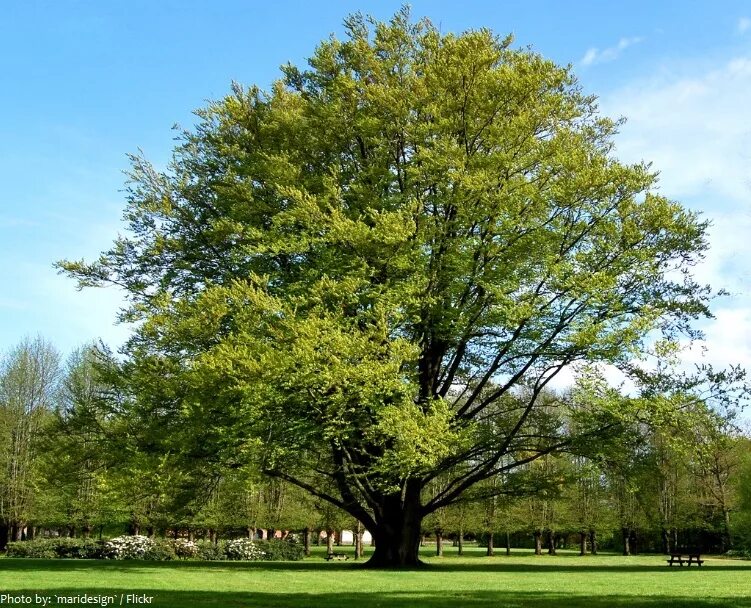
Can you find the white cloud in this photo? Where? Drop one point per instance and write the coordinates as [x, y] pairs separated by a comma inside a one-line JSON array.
[[595, 55], [743, 24]]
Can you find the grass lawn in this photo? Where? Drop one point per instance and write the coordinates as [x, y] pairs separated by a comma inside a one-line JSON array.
[[474, 581]]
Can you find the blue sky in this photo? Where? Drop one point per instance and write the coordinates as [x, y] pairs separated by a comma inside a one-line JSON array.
[[84, 83]]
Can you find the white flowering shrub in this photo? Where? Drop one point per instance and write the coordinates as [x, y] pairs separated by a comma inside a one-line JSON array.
[[185, 548], [128, 547], [138, 547], [243, 549]]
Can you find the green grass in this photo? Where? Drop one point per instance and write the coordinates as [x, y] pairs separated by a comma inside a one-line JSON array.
[[474, 581]]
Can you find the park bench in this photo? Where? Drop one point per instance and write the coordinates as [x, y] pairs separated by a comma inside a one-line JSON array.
[[680, 559], [336, 557]]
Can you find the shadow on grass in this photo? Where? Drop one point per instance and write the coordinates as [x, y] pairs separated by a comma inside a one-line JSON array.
[[426, 599], [497, 566]]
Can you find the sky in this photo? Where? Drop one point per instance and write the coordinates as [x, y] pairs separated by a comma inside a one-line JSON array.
[[85, 83]]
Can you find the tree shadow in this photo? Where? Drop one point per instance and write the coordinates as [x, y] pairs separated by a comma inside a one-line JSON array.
[[492, 565], [416, 599]]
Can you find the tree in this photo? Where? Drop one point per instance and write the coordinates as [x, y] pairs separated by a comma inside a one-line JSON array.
[[29, 376], [344, 278]]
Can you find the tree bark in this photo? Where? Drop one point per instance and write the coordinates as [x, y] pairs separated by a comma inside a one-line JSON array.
[[439, 542], [551, 542], [582, 542], [358, 540], [3, 536], [460, 542], [398, 529], [593, 541], [491, 549], [306, 541], [508, 543], [665, 541], [626, 533], [538, 542], [329, 542]]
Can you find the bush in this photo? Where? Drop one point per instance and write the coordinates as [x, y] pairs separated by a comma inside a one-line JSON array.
[[138, 547], [244, 549], [281, 550], [739, 553], [207, 550], [184, 548], [50, 548]]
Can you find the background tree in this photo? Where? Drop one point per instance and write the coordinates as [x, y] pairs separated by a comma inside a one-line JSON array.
[[29, 376], [342, 278]]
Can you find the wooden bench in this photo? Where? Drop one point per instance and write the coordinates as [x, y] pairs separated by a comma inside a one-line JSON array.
[[337, 557], [680, 559]]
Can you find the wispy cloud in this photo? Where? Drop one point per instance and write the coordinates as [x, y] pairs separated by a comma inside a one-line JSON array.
[[744, 23], [594, 55]]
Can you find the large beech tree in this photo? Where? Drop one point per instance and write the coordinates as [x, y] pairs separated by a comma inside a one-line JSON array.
[[364, 278]]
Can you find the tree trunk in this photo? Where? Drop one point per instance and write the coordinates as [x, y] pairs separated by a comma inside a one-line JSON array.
[[329, 542], [593, 541], [582, 542], [665, 541], [491, 549], [460, 542], [551, 542], [398, 530], [538, 542], [86, 530], [213, 536], [626, 533], [31, 532], [338, 537], [508, 543], [3, 536], [306, 541], [439, 542], [150, 531], [358, 540]]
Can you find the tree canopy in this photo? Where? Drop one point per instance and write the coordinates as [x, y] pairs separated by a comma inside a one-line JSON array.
[[365, 278]]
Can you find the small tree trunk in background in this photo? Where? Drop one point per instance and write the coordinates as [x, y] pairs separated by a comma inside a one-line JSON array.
[[212, 536], [675, 538], [439, 542], [491, 551], [329, 542], [593, 541], [551, 542], [101, 531], [582, 542], [338, 537], [306, 541], [71, 531], [358, 540], [634, 543], [665, 541], [626, 534], [460, 541], [508, 543], [31, 532], [4, 531], [538, 542], [150, 531], [85, 531]]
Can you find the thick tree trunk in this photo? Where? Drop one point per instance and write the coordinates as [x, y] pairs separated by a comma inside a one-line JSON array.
[[306, 541], [491, 549], [582, 542], [31, 532], [593, 541], [398, 530], [538, 542], [626, 534], [551, 542], [439, 542]]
